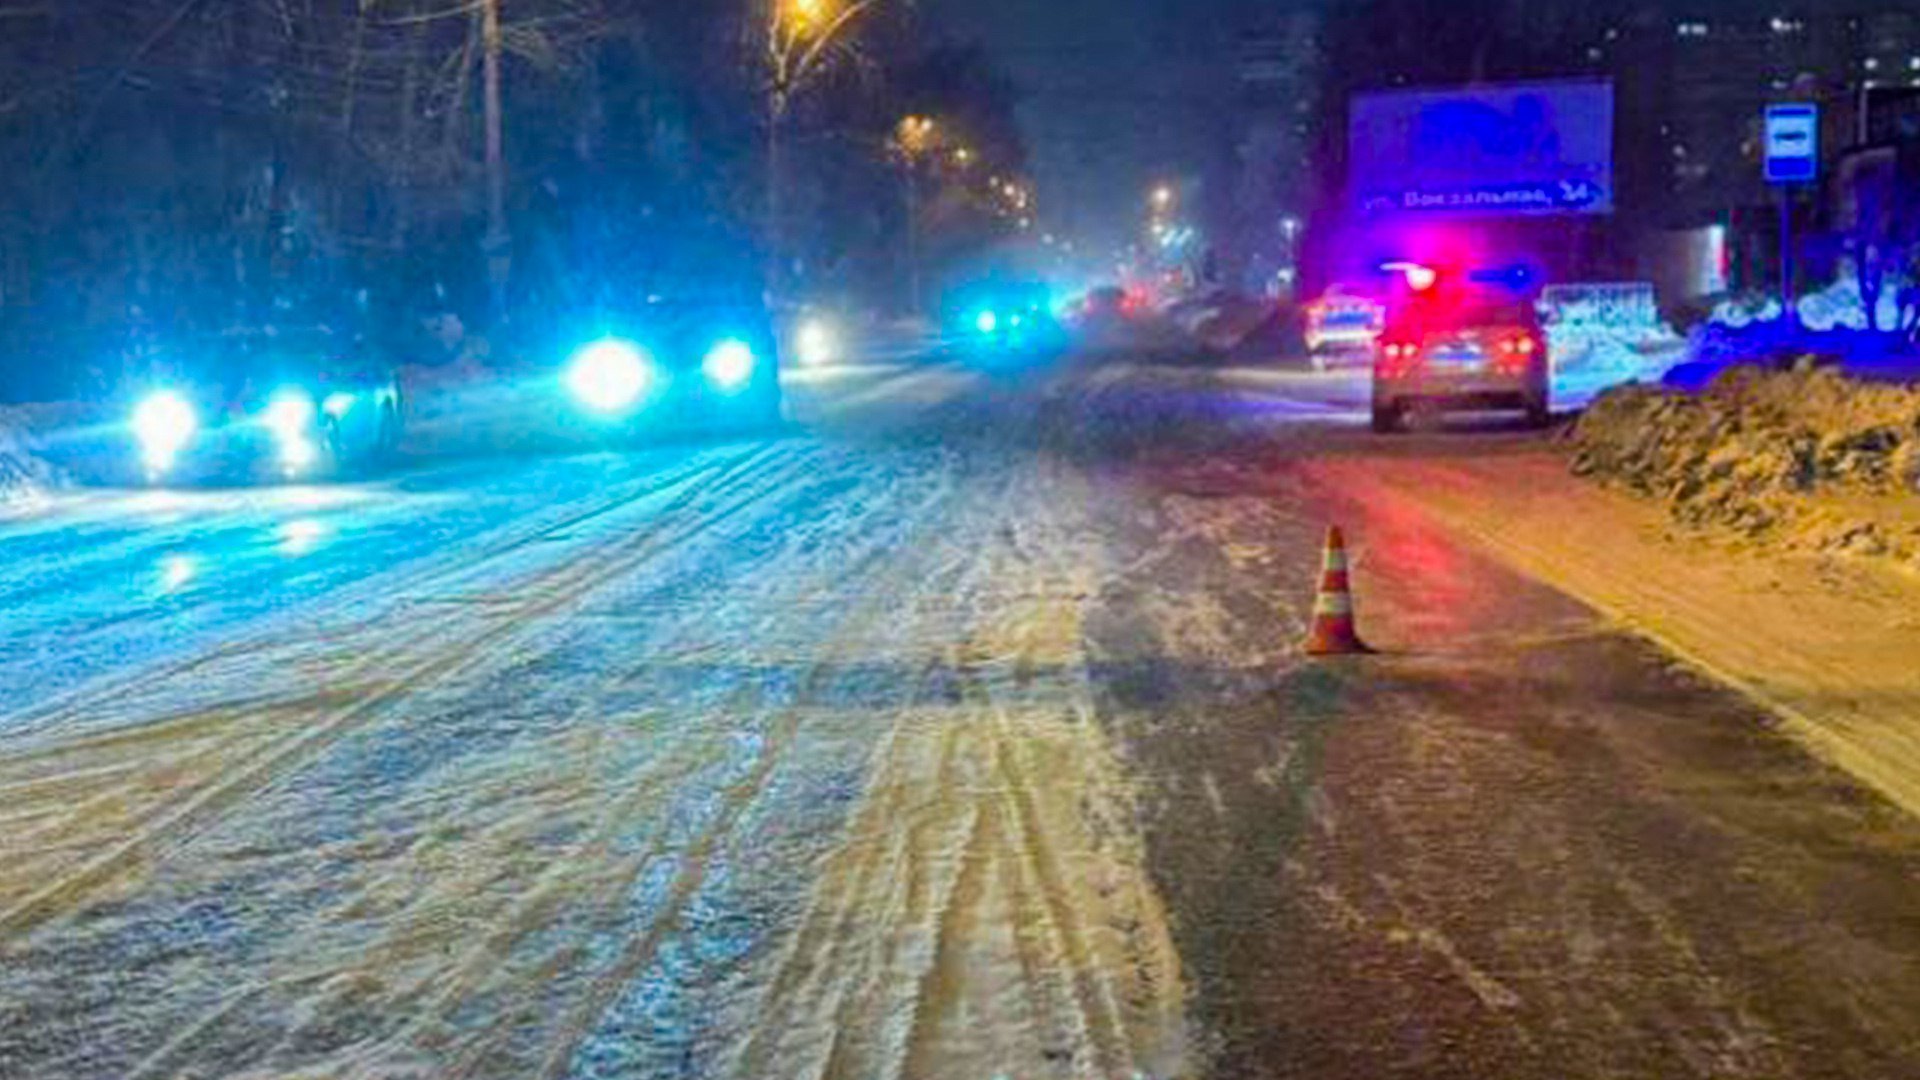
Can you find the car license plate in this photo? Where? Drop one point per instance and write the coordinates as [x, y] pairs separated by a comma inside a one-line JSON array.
[[1458, 354]]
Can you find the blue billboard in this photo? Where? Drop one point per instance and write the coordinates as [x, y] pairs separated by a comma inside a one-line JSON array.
[[1515, 149]]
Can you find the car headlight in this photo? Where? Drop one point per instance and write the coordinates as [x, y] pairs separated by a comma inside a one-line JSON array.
[[729, 365], [290, 416], [609, 376], [816, 342], [297, 452], [289, 413], [164, 423]]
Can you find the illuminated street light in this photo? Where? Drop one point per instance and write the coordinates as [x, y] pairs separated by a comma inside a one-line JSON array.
[[806, 15], [1162, 197], [915, 134]]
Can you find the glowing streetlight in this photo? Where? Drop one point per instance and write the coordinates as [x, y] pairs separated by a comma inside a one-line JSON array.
[[1162, 197], [914, 135], [806, 15]]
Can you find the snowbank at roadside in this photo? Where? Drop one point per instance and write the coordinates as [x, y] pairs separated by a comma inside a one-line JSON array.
[[24, 474], [1827, 644], [1809, 459]]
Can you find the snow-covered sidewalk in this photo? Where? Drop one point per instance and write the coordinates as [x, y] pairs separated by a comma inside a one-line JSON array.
[[1827, 643]]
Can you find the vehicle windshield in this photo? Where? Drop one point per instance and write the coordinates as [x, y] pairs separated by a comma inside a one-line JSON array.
[[959, 540]]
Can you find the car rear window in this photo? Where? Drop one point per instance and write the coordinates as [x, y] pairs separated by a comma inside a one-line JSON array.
[[1456, 313]]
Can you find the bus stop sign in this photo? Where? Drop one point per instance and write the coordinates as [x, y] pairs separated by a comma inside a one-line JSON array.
[[1793, 143]]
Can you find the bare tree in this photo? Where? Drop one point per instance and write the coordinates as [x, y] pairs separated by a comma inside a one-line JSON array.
[[801, 43]]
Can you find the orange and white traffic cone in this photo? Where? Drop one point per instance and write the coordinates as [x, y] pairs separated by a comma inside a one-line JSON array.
[[1333, 632]]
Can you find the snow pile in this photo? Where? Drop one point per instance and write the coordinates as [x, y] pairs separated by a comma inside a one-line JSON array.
[[1839, 306], [24, 474], [1836, 307], [1808, 458], [1604, 335], [1743, 311]]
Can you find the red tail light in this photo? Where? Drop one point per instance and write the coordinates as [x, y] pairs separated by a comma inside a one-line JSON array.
[[1516, 353], [1398, 359]]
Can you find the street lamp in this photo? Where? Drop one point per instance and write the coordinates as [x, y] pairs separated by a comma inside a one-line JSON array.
[[1162, 197], [914, 136], [806, 15]]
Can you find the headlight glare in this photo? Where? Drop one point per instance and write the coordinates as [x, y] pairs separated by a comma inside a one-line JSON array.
[[289, 414], [298, 452], [816, 342], [729, 365], [609, 376], [164, 423]]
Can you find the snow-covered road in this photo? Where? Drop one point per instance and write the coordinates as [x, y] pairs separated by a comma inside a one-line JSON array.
[[956, 733]]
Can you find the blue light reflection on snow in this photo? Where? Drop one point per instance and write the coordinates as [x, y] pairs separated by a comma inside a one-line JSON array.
[[301, 537], [177, 572]]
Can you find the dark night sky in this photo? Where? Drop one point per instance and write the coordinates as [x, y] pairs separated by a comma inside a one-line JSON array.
[[1117, 93]]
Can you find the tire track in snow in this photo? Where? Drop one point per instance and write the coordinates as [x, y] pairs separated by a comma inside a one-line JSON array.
[[856, 632], [866, 549], [833, 918], [955, 931], [88, 701], [475, 970], [739, 481]]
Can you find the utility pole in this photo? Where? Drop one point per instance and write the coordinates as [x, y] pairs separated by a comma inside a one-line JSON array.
[[913, 236], [776, 165], [498, 242], [1788, 306], [912, 141]]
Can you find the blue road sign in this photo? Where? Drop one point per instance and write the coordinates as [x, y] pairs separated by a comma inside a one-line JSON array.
[[1793, 143]]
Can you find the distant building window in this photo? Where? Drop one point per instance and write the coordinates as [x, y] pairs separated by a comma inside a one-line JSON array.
[[1871, 63], [1594, 53], [1784, 25], [1691, 30], [1913, 63]]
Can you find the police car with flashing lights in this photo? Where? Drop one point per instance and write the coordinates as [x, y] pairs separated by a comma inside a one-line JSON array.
[[676, 364], [1460, 345], [270, 405], [1341, 328]]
